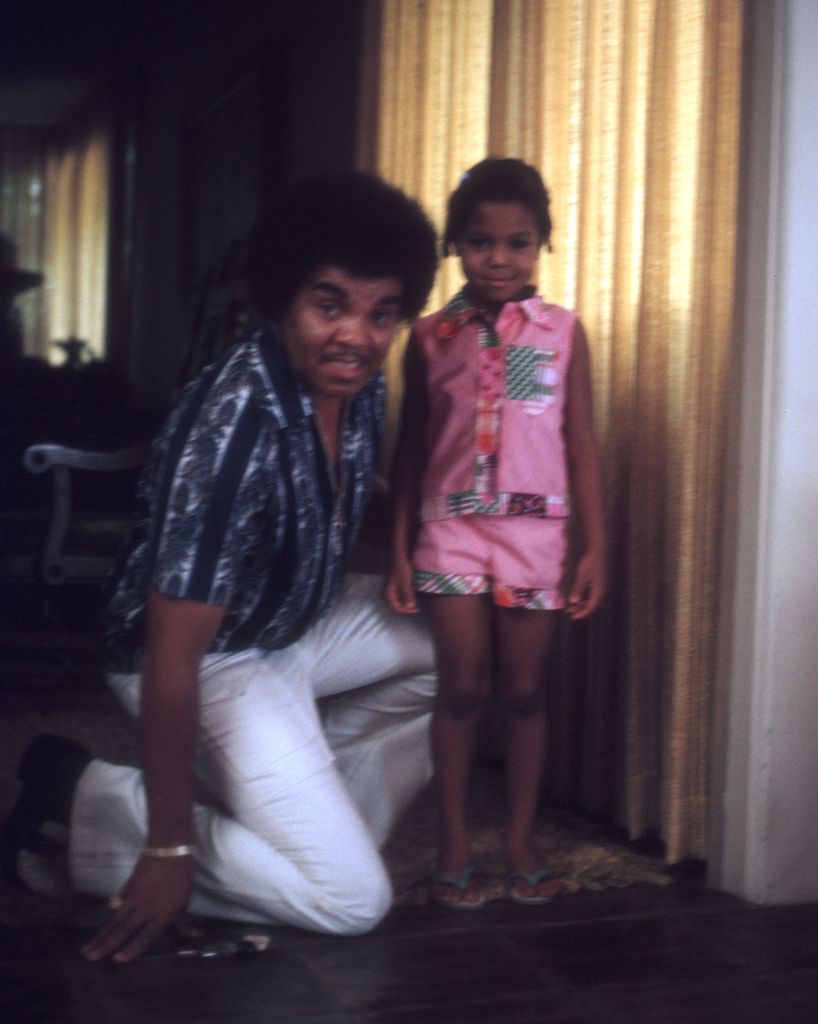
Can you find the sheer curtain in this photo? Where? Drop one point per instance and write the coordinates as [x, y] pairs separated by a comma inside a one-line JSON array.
[[55, 208], [630, 108]]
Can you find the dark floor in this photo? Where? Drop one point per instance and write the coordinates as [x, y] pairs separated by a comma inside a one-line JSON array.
[[648, 954], [644, 954]]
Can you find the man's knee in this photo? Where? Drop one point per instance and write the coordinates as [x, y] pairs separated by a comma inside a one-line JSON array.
[[423, 688], [358, 906]]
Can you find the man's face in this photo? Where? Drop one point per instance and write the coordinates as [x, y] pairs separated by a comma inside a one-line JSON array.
[[338, 328]]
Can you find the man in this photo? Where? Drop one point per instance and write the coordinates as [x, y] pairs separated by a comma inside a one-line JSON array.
[[231, 618]]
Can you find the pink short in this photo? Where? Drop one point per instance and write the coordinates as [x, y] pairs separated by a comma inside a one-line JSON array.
[[518, 559]]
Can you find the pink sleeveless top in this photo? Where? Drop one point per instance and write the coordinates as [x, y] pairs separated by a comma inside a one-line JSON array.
[[496, 394]]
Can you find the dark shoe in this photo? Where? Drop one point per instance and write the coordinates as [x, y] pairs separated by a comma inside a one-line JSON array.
[[49, 771]]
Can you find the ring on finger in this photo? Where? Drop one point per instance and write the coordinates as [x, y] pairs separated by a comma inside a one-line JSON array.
[[115, 902]]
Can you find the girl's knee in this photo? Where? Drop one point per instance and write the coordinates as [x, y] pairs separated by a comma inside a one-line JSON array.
[[462, 700], [523, 701]]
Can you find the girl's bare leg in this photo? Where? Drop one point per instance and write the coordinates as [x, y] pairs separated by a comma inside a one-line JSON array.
[[524, 642], [461, 629]]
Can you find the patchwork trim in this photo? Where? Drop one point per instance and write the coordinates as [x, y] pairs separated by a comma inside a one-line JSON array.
[[528, 598], [530, 375], [506, 503], [452, 584], [491, 372]]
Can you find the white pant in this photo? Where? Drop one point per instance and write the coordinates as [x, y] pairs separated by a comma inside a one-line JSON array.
[[303, 794]]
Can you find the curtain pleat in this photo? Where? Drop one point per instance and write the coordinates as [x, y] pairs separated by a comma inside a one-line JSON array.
[[630, 109], [76, 236]]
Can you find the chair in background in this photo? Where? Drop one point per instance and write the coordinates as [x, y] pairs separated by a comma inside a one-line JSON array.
[[83, 536], [56, 560]]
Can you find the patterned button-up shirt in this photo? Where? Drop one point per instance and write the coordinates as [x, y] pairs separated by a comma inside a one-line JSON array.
[[240, 507]]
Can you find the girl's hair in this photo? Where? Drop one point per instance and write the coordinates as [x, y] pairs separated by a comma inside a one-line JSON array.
[[355, 221], [497, 180]]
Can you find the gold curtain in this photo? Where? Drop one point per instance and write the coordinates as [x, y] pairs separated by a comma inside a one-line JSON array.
[[630, 108], [55, 208]]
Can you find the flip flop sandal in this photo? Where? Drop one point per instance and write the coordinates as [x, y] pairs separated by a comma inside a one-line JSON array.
[[461, 884], [531, 878]]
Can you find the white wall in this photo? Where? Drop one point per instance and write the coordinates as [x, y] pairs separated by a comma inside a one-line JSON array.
[[765, 829]]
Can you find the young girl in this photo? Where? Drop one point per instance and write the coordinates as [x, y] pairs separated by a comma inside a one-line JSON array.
[[496, 437]]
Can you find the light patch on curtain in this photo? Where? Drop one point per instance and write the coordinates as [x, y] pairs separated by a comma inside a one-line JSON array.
[[76, 239], [54, 205]]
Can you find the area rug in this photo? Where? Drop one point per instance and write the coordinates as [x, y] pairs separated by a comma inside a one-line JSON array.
[[581, 853]]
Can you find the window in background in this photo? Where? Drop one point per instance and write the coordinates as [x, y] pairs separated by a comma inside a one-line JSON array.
[[54, 192]]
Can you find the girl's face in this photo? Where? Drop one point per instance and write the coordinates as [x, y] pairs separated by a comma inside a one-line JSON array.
[[498, 252]]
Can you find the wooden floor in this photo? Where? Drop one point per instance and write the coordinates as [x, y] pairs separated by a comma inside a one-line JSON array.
[[642, 955], [645, 954]]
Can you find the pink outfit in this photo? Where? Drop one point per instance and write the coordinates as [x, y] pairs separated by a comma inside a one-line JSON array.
[[495, 448], [496, 397], [519, 561]]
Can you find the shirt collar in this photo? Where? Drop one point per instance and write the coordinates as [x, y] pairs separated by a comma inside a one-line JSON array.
[[460, 310], [286, 398]]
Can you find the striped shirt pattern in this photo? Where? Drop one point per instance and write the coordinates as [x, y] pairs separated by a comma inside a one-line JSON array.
[[239, 508]]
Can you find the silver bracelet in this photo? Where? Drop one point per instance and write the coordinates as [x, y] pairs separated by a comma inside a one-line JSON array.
[[185, 850]]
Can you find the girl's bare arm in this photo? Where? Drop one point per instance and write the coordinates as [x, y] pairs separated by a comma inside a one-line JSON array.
[[585, 472]]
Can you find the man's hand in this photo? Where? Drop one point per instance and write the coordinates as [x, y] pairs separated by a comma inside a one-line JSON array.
[[155, 897]]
